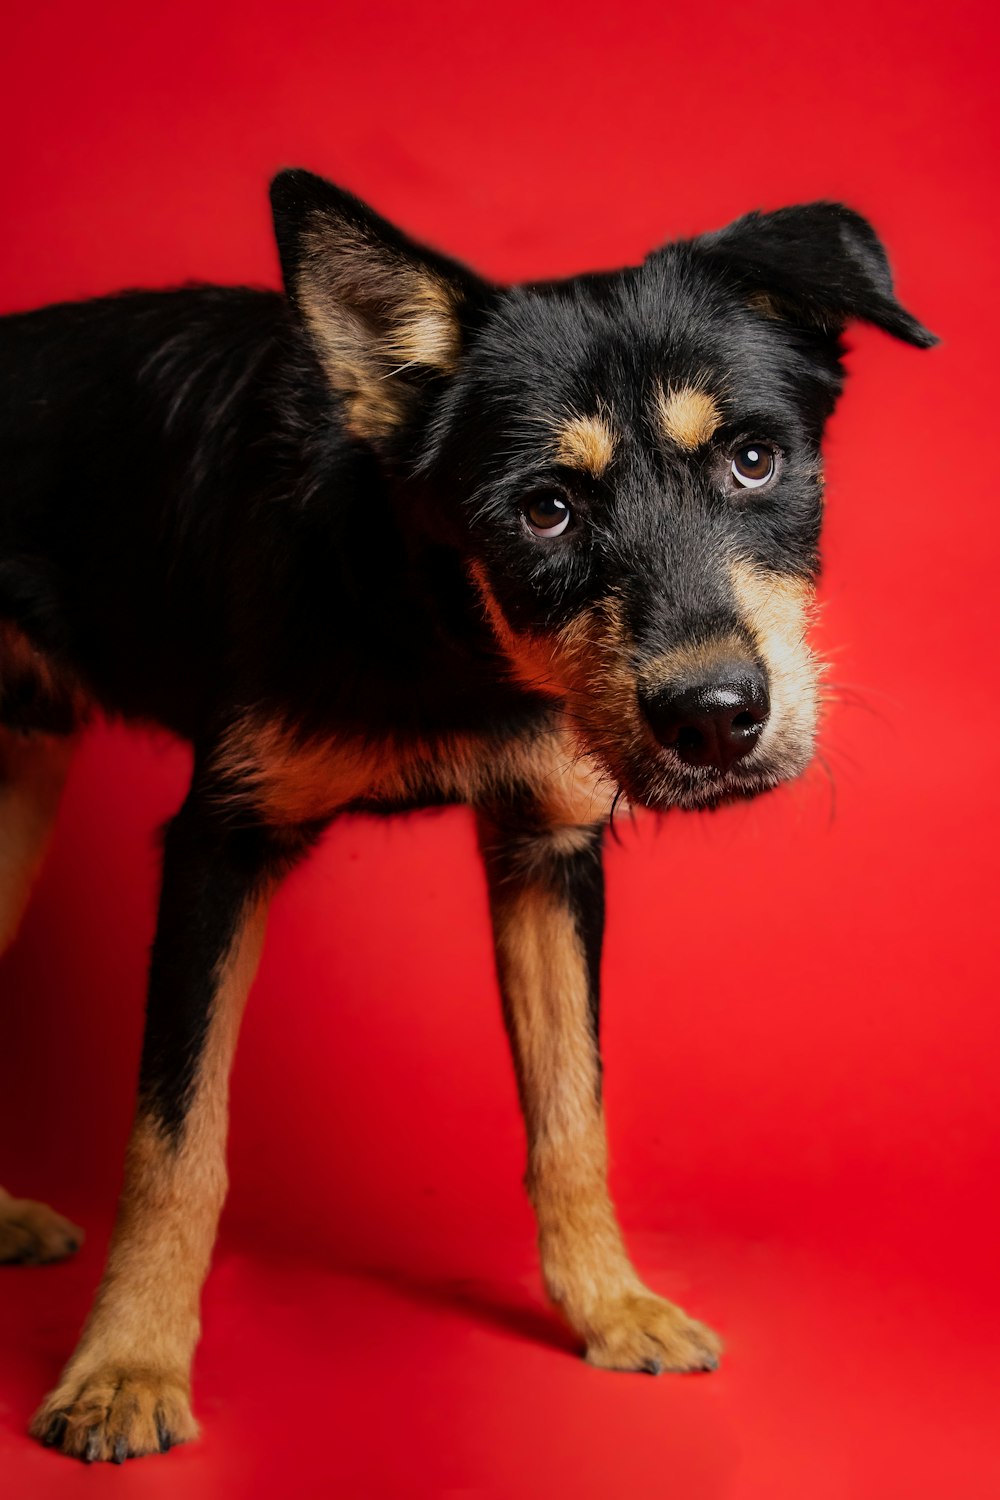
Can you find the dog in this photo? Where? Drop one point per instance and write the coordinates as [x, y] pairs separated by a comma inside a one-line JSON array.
[[399, 538]]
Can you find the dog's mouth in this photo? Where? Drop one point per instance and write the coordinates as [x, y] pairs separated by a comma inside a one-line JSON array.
[[716, 721], [716, 718], [711, 788], [653, 778]]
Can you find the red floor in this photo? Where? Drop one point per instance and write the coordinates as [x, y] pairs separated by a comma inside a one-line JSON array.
[[801, 1027], [443, 1375], [808, 1162]]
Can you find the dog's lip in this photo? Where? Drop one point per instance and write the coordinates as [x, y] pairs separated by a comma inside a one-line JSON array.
[[651, 776], [692, 788]]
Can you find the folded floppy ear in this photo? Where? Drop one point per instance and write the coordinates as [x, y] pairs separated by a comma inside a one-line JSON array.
[[817, 265], [385, 315]]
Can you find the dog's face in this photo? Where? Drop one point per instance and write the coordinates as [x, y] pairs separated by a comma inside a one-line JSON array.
[[640, 460], [627, 463]]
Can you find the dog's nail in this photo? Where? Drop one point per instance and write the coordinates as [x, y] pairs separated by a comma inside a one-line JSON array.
[[55, 1431], [163, 1433], [93, 1448], [654, 1367], [120, 1453]]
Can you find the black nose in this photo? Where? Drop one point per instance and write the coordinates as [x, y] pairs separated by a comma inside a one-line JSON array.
[[714, 721]]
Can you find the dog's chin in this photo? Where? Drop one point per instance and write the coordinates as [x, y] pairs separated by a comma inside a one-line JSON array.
[[717, 790], [668, 784]]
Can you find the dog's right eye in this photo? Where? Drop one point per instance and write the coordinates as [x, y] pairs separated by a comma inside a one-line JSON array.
[[547, 514], [753, 465]]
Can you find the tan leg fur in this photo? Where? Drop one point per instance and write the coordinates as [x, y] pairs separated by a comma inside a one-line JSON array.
[[586, 1268], [126, 1390]]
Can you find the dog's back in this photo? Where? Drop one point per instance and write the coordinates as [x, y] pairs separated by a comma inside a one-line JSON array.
[[136, 432]]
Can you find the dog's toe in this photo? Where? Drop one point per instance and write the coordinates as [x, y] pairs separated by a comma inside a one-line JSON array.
[[33, 1234], [114, 1414], [645, 1332]]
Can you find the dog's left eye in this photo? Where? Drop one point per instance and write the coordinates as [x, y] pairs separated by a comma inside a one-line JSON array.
[[753, 465], [547, 514]]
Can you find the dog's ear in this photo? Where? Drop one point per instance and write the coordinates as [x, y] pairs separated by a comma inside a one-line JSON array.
[[385, 315], [817, 265]]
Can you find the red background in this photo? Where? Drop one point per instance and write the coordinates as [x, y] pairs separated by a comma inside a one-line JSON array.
[[800, 1029]]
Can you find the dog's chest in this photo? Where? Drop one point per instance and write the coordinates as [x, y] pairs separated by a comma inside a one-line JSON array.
[[288, 779]]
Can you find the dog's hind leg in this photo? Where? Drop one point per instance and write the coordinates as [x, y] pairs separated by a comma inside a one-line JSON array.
[[547, 901], [32, 771], [126, 1390], [32, 1233]]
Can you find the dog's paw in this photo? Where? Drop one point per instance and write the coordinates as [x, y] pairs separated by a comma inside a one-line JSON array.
[[32, 1233], [116, 1413], [643, 1332]]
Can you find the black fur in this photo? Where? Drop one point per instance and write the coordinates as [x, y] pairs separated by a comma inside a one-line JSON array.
[[303, 533], [189, 530], [211, 875], [185, 525]]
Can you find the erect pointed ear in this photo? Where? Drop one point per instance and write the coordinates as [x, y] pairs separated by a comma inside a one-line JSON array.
[[818, 265], [385, 315]]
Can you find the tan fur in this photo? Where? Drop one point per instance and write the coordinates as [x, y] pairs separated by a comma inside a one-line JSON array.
[[585, 1266], [427, 331], [765, 304], [33, 1233], [586, 443], [778, 610], [288, 779], [691, 661], [567, 789], [688, 416], [373, 407], [131, 1368], [588, 666], [574, 767], [534, 658], [373, 315], [32, 773], [585, 656]]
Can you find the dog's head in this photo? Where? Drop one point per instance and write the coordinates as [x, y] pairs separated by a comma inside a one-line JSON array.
[[627, 463]]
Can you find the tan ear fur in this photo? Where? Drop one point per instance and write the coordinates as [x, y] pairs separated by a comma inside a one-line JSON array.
[[376, 319]]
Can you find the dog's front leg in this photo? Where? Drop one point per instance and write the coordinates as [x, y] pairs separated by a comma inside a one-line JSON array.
[[126, 1389], [547, 902]]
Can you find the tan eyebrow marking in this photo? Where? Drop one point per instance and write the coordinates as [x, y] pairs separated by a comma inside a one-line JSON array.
[[585, 443], [688, 415], [765, 304]]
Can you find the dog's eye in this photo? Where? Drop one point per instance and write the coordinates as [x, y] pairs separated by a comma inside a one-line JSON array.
[[753, 465], [547, 514]]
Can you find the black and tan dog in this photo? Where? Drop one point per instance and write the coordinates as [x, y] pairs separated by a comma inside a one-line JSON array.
[[402, 538]]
